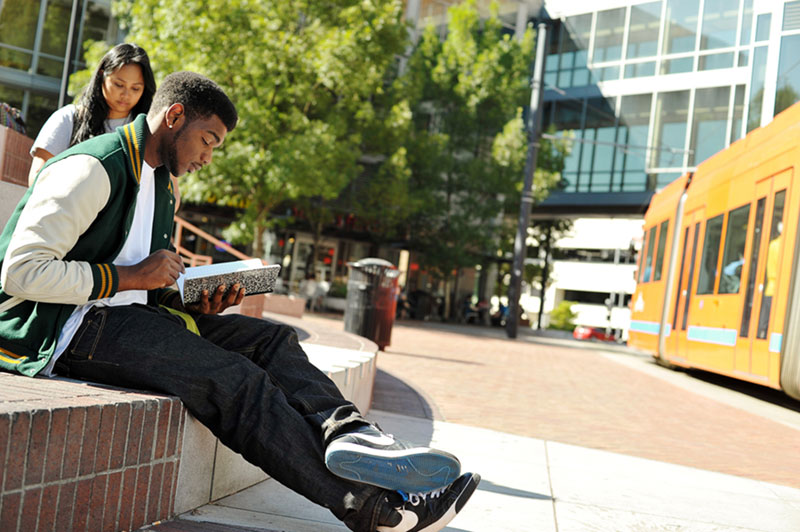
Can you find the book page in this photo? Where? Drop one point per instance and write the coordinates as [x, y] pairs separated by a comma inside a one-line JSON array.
[[221, 268]]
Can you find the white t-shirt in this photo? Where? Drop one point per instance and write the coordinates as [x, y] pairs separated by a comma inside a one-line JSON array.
[[135, 249], [56, 132]]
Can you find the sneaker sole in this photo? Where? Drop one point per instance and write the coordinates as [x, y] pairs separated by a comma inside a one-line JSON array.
[[410, 470]]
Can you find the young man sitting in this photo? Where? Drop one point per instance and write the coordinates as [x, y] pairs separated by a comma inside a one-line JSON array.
[[84, 292]]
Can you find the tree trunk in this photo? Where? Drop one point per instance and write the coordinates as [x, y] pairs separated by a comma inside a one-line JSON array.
[[258, 241], [317, 236], [453, 308]]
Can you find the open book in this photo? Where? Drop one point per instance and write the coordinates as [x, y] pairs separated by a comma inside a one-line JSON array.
[[252, 274]]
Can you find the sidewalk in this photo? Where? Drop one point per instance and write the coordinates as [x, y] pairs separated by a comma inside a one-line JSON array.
[[534, 485], [537, 484]]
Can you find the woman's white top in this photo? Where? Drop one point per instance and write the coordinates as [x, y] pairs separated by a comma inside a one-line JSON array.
[[56, 132]]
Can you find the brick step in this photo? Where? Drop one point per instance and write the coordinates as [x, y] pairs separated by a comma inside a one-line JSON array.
[[83, 457]]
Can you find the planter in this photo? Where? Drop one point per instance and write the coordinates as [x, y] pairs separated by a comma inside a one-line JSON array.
[[335, 303]]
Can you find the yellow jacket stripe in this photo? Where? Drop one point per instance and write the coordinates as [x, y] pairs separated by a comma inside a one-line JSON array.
[[128, 134], [15, 359], [137, 159]]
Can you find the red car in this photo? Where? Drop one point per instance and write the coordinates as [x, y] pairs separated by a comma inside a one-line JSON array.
[[587, 333]]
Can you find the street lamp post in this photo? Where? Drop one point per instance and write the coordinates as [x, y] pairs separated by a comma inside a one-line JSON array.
[[534, 126]]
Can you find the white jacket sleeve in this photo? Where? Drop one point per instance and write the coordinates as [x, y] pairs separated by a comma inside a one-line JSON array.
[[63, 204]]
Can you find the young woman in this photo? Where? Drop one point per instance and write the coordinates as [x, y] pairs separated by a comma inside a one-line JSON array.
[[122, 87]]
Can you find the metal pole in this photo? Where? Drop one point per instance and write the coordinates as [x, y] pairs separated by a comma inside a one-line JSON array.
[[534, 125], [62, 96]]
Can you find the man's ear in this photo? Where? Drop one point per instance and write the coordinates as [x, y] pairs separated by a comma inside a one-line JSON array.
[[175, 116]]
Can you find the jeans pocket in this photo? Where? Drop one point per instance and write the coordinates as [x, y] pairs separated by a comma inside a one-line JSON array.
[[86, 338]]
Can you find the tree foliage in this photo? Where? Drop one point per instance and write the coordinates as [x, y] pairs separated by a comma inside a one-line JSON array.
[[303, 75], [467, 145]]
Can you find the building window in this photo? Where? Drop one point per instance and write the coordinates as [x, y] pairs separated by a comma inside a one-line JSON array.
[[567, 117], [639, 70], [757, 87], [632, 134], [677, 66], [573, 71], [96, 24], [681, 27], [643, 30], [738, 113], [608, 35], [715, 61], [763, 23], [788, 86], [54, 38], [791, 16], [606, 73], [747, 22], [600, 128], [18, 22], [710, 123], [665, 178], [672, 110], [720, 18]]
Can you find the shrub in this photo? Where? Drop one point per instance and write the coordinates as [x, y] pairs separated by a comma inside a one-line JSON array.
[[338, 289], [562, 317]]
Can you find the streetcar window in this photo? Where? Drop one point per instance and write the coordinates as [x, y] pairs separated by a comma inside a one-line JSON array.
[[773, 264], [744, 330], [642, 255], [651, 247], [662, 244], [708, 264], [733, 256], [689, 281], [678, 294]]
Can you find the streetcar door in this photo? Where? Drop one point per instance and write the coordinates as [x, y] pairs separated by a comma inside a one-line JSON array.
[[683, 295], [762, 317]]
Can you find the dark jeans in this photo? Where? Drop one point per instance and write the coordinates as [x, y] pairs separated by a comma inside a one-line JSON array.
[[247, 380]]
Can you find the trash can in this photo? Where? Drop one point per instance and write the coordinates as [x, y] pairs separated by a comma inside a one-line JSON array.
[[371, 299]]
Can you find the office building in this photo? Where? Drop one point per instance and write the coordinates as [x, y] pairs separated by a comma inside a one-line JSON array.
[[649, 89], [34, 38]]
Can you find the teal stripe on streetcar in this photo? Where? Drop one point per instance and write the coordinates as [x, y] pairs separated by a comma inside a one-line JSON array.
[[712, 335], [775, 341], [648, 327]]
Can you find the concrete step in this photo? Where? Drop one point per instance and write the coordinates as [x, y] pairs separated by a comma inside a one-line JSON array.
[[80, 456]]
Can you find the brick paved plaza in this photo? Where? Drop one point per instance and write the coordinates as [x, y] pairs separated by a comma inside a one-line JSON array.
[[475, 376]]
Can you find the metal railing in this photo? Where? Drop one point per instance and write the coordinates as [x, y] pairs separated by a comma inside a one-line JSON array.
[[194, 259]]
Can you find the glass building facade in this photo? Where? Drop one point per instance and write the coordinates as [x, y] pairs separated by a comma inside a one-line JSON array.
[[33, 48], [651, 89]]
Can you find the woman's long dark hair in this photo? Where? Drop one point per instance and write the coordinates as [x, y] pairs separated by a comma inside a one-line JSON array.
[[92, 109]]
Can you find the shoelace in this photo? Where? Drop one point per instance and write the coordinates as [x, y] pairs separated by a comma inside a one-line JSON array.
[[416, 498]]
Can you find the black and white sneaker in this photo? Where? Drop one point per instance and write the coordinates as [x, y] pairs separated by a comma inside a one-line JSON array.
[[371, 456], [430, 512]]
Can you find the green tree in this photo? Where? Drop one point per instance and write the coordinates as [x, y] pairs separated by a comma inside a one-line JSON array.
[[303, 76], [468, 143], [546, 233]]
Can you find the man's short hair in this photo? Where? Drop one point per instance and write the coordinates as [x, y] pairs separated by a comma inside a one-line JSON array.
[[200, 97]]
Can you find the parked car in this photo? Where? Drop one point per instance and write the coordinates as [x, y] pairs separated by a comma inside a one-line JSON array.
[[588, 333]]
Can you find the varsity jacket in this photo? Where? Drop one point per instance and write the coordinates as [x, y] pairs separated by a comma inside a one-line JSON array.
[[57, 249]]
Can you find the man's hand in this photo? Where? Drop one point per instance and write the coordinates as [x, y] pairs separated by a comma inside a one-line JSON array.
[[159, 270], [219, 301]]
